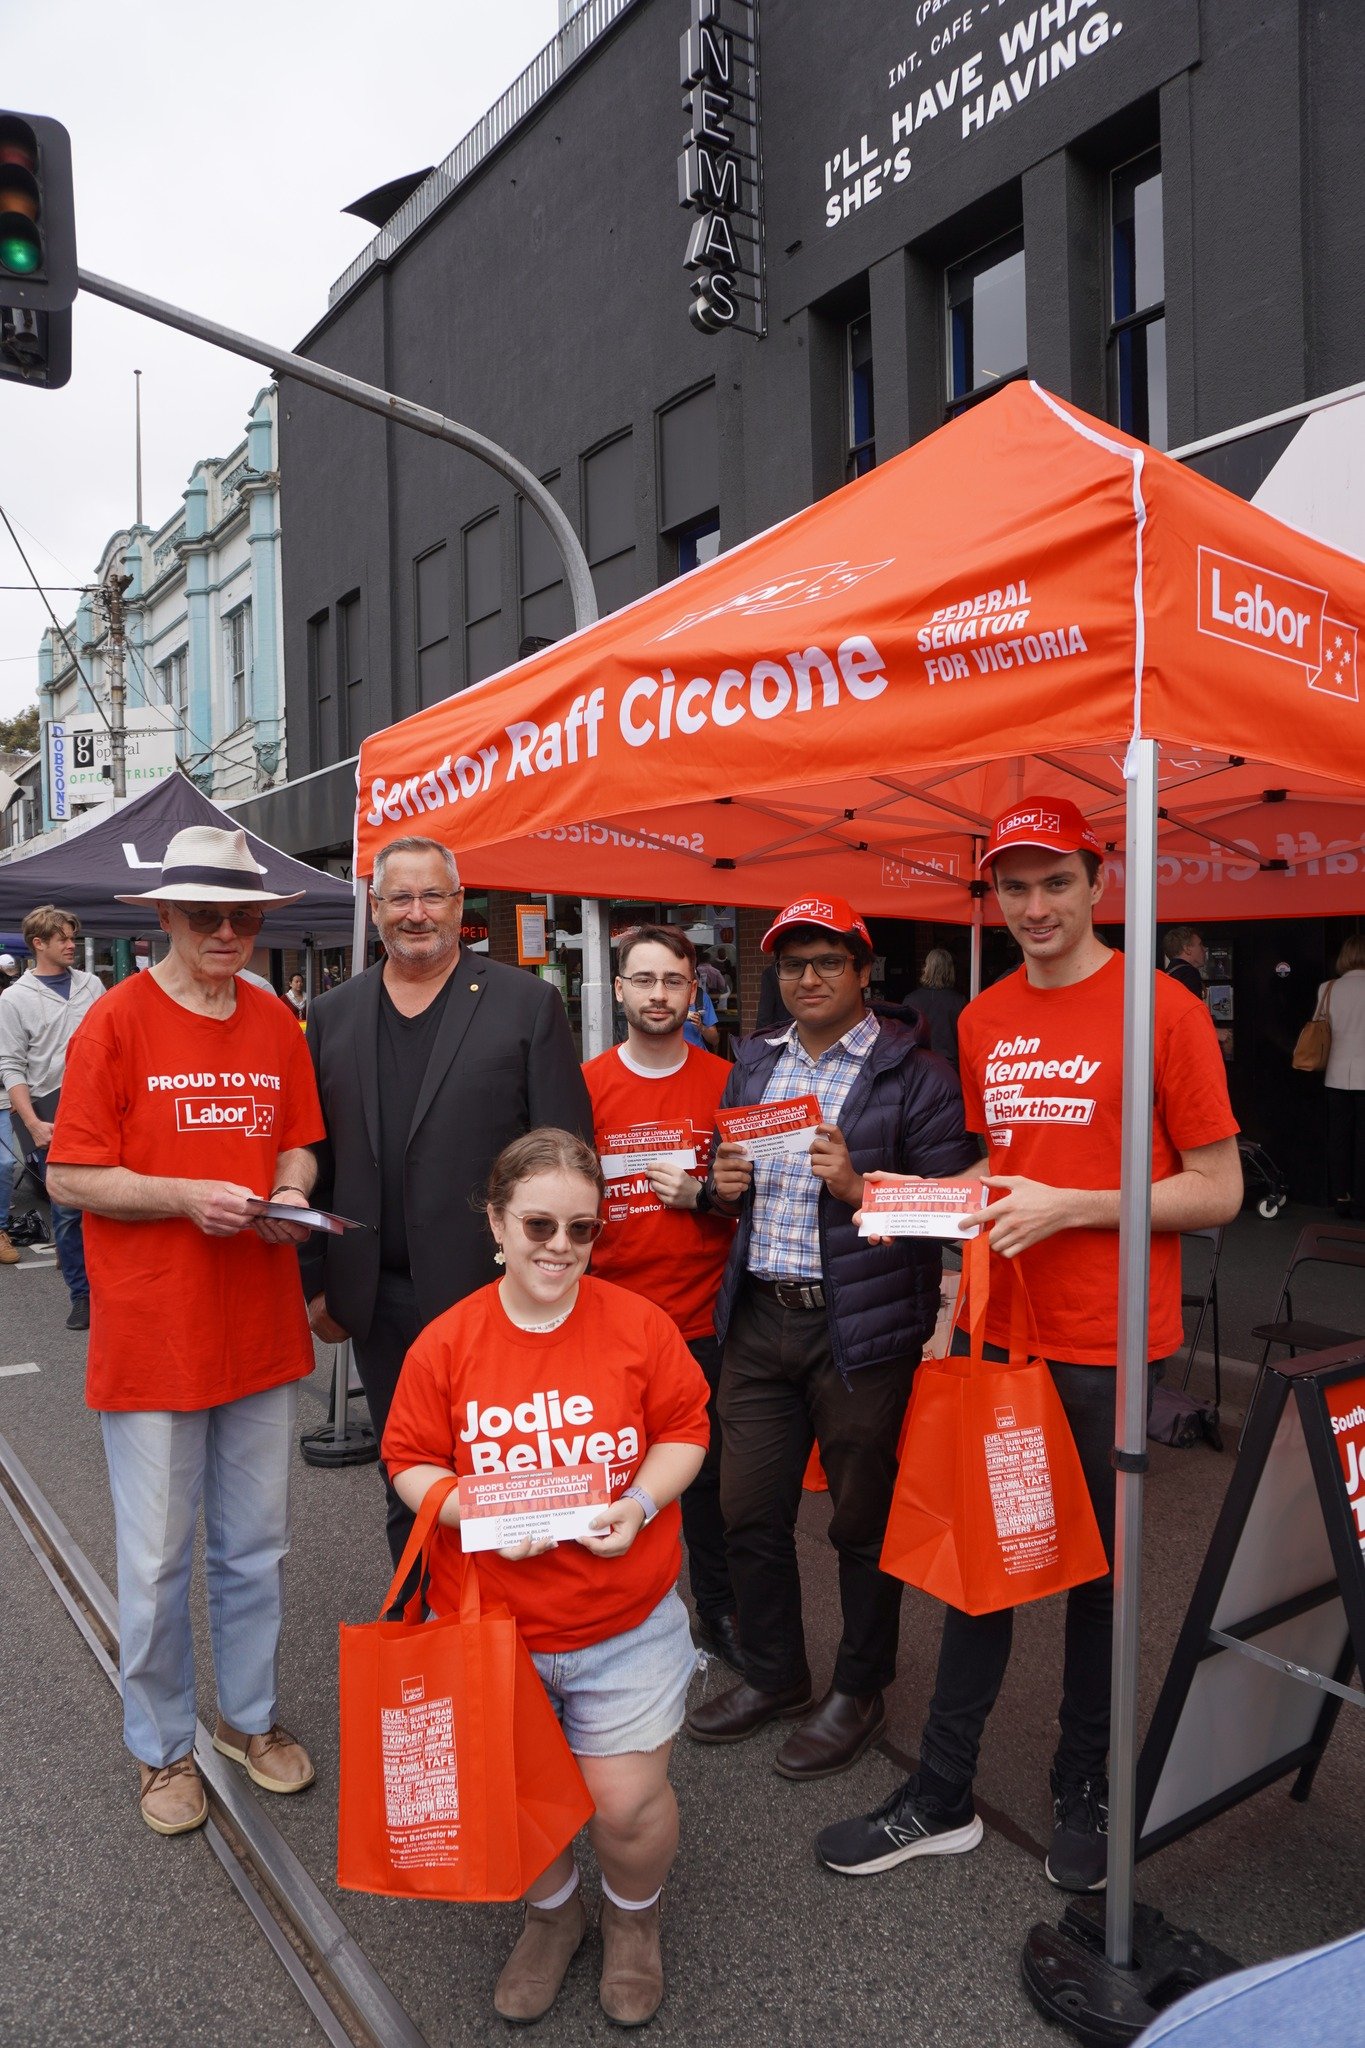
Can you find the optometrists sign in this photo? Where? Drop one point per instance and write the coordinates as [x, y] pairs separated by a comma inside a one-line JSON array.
[[149, 754]]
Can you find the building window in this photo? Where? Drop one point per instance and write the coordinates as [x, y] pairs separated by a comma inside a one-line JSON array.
[[431, 623], [861, 429], [483, 597], [987, 331], [698, 543], [237, 662], [320, 678], [352, 723], [173, 682], [1137, 334], [544, 602], [609, 521]]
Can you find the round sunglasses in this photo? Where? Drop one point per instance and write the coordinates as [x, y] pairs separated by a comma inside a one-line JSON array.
[[540, 1229]]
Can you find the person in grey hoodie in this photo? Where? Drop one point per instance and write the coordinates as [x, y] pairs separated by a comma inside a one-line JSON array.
[[38, 1020]]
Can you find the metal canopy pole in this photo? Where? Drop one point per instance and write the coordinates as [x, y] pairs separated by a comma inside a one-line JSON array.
[[597, 988], [1135, 1239], [978, 920]]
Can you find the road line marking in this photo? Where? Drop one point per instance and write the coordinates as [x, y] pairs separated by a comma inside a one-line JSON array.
[[9, 1372]]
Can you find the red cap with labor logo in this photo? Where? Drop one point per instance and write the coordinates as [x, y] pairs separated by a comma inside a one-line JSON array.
[[1050, 822], [827, 913]]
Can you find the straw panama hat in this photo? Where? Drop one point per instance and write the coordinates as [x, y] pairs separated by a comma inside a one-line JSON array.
[[205, 865]]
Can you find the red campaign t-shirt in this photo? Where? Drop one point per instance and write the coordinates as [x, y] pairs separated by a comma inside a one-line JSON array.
[[672, 1256], [477, 1394], [1042, 1080], [179, 1320]]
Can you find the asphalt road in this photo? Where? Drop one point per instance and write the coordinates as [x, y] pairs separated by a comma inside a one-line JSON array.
[[113, 1935]]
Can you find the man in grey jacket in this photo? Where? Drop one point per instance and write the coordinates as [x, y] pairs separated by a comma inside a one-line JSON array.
[[38, 1020]]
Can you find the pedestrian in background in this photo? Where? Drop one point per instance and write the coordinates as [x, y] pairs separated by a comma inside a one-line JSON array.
[[427, 1065], [38, 1020], [939, 1001], [188, 1097], [1186, 955], [1345, 1080], [296, 998]]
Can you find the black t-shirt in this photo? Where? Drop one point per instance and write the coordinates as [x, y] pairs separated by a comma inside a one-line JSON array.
[[405, 1048], [940, 1009], [1188, 975]]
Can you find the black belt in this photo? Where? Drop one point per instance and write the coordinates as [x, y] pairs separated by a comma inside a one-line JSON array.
[[791, 1293]]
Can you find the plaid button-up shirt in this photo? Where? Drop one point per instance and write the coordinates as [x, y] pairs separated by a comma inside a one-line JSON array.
[[785, 1242]]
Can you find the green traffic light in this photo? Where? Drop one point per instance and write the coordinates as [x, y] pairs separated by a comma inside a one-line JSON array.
[[20, 254]]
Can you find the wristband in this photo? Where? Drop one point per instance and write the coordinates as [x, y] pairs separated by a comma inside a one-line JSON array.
[[286, 1187], [646, 1501]]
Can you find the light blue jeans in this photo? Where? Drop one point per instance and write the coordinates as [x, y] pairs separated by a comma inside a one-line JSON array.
[[237, 1460]]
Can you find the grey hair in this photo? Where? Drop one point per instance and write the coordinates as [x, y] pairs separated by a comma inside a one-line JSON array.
[[939, 971], [413, 845]]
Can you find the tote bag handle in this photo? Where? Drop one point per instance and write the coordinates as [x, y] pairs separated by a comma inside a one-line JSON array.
[[1025, 1342], [420, 1541]]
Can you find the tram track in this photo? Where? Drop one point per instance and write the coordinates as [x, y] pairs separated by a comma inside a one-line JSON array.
[[349, 2001]]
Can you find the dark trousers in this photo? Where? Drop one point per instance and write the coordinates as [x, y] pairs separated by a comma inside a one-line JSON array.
[[703, 1524], [780, 1391], [975, 1650], [379, 1359], [1346, 1146]]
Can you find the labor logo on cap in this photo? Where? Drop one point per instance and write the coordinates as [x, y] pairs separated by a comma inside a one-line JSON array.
[[828, 913], [1051, 823]]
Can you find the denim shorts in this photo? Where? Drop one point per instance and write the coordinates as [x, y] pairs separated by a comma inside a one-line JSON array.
[[627, 1693]]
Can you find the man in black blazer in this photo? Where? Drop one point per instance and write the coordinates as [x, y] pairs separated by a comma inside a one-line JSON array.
[[427, 1065]]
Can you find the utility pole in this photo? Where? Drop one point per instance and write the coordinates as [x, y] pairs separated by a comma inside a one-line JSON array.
[[110, 597]]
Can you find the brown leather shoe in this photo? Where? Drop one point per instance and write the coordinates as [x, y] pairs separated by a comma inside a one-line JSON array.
[[531, 1976], [275, 1761], [8, 1255], [743, 1710], [173, 1800], [833, 1737], [632, 1986]]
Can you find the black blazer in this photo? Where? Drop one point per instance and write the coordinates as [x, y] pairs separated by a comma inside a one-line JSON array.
[[504, 1062]]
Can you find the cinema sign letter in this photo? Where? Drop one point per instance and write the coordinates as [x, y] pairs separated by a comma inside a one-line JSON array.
[[711, 168]]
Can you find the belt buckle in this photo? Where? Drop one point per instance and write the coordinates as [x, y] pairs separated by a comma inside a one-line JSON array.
[[799, 1294]]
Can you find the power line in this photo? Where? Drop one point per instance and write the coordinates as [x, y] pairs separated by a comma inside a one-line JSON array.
[[61, 630], [46, 586], [206, 751]]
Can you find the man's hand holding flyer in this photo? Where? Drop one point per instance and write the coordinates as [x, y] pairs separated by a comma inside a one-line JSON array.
[[922, 1208], [499, 1510], [769, 1128]]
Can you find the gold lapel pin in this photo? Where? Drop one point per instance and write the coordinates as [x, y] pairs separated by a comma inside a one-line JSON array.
[[473, 988]]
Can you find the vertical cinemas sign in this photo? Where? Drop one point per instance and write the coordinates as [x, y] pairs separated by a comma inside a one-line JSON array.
[[718, 167]]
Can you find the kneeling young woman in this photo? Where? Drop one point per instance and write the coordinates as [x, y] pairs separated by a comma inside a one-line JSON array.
[[550, 1367]]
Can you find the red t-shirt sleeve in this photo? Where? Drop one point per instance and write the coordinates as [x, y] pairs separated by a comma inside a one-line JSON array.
[[420, 1429], [676, 1395], [94, 1104], [302, 1122], [1192, 1086]]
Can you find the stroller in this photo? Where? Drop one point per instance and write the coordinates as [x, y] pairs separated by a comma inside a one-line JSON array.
[[1260, 1171]]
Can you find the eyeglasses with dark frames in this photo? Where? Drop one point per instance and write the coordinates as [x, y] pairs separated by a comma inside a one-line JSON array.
[[829, 966]]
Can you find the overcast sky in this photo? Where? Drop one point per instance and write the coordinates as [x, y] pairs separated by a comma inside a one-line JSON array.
[[214, 148]]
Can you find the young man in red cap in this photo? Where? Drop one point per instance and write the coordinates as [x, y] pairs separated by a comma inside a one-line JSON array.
[[1042, 1072], [654, 1102], [821, 1332]]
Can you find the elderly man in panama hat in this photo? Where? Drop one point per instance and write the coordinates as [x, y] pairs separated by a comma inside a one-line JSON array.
[[189, 1096]]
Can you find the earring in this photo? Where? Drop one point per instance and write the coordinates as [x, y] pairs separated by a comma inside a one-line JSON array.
[[499, 1257]]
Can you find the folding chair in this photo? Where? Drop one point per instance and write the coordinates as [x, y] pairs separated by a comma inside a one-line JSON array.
[[1320, 1244], [1205, 1302]]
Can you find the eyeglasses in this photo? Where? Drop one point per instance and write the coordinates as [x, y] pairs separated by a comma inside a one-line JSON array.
[[540, 1229], [673, 984], [208, 918], [430, 899], [829, 966]]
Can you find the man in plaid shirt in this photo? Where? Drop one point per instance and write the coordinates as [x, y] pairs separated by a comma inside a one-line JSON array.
[[821, 1332]]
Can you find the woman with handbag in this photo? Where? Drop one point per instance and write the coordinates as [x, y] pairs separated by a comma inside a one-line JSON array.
[[1344, 1075], [549, 1368]]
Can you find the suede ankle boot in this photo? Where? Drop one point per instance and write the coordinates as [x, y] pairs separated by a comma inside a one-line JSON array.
[[632, 1985], [533, 1973]]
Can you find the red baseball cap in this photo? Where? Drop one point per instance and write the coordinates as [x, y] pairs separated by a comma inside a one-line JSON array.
[[828, 913], [1050, 822]]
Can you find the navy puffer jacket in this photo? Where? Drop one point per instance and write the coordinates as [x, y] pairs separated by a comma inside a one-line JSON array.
[[903, 1113]]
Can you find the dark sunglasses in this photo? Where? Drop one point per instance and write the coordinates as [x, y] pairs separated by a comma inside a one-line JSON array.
[[540, 1229], [246, 923]]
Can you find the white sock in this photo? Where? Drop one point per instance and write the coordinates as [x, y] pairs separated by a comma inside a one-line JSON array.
[[630, 1905], [561, 1897]]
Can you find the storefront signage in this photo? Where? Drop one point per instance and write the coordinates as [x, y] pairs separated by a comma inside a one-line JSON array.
[[148, 753], [954, 73], [718, 169], [58, 759]]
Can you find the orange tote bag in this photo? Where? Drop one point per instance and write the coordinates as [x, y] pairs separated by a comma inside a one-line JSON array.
[[991, 1507], [456, 1780]]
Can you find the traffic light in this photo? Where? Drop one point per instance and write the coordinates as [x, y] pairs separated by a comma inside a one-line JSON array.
[[37, 249]]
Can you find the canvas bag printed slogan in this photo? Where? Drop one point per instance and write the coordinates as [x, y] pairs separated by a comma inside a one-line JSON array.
[[991, 1507], [456, 1780]]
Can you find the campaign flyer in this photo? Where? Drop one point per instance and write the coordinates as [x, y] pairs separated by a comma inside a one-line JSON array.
[[769, 1128], [626, 1153], [498, 1509], [922, 1208], [1346, 1413]]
